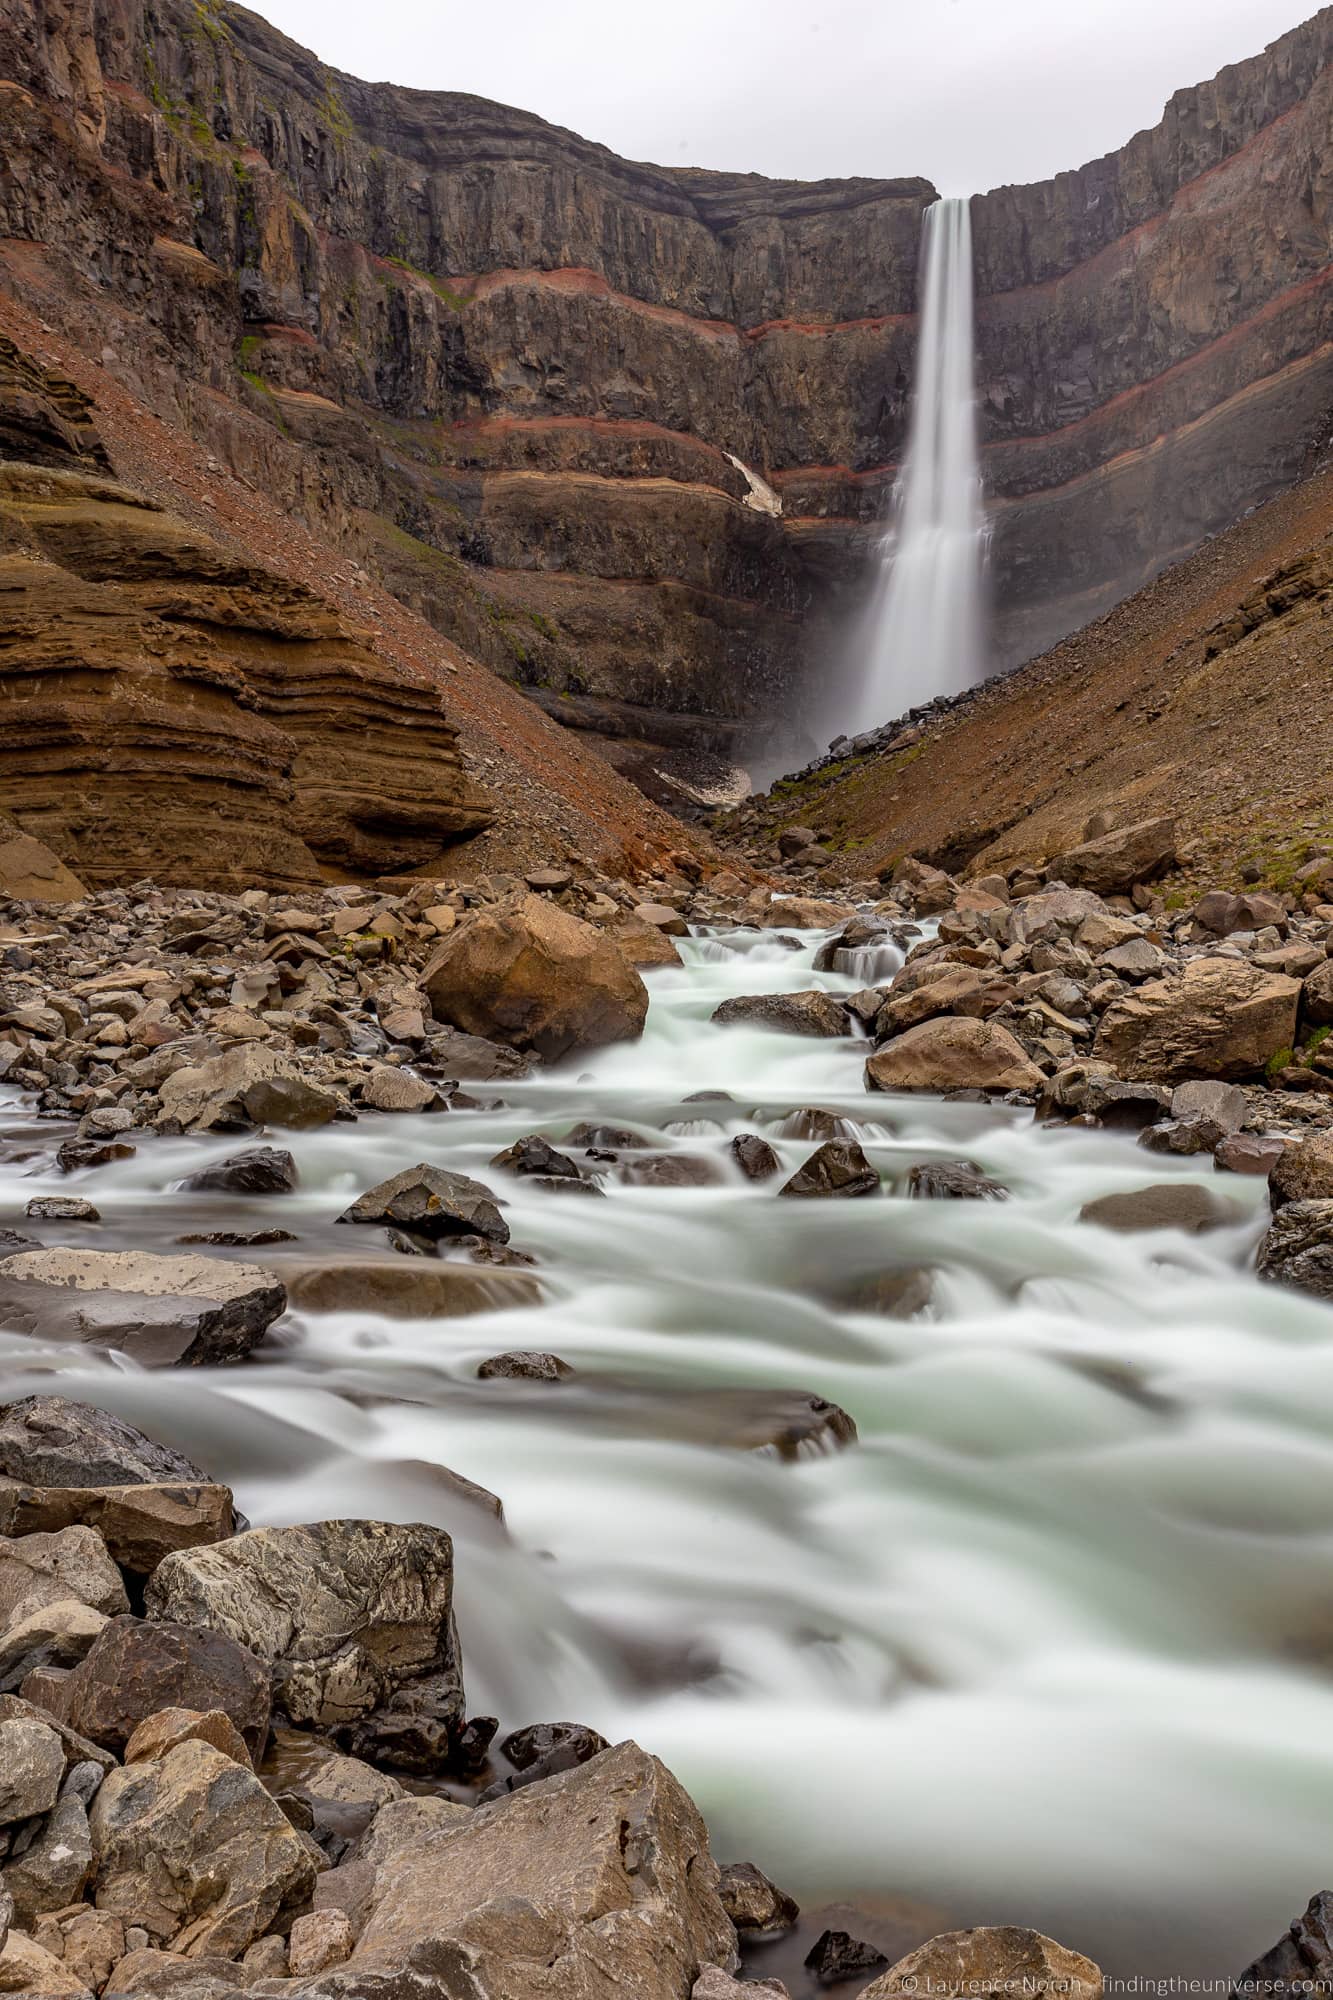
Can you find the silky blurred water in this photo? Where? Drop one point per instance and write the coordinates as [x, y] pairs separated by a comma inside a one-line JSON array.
[[1048, 1645]]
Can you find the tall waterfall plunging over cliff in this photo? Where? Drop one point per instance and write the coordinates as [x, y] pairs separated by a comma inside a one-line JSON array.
[[924, 634]]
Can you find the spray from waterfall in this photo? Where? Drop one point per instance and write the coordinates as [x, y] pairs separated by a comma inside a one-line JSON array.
[[923, 635]]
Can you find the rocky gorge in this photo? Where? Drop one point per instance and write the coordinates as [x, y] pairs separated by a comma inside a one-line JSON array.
[[624, 433]]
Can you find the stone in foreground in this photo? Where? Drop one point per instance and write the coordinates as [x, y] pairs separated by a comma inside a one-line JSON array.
[[994, 1962], [159, 1311], [345, 1612], [1303, 1172], [139, 1666], [595, 1885], [194, 1840], [537, 978], [1302, 1956], [953, 1052], [51, 1441], [837, 1168]]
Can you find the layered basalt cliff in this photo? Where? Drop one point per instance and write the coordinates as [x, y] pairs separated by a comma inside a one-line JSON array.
[[527, 382]]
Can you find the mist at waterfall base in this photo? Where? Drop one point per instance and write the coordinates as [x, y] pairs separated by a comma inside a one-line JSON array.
[[920, 632], [1049, 1645]]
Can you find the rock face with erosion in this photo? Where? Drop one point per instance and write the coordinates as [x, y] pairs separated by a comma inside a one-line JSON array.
[[649, 535]]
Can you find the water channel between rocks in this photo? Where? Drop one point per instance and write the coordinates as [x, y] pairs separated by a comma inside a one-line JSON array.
[[1049, 1645]]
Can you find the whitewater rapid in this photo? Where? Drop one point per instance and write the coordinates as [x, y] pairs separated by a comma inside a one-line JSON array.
[[1050, 1644]]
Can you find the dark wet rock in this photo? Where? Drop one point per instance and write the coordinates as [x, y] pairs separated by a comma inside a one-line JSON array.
[[896, 1294], [756, 1906], [709, 1097], [159, 1310], [472, 1058], [787, 1422], [1123, 1107], [344, 1611], [952, 1180], [51, 1441], [606, 1138], [541, 1752], [524, 1365], [809, 1013], [813, 1121], [755, 1157], [77, 1154], [238, 1239], [1298, 1249], [535, 1155], [258, 1170], [1302, 1956], [61, 1208], [836, 1955], [11, 1243], [1304, 1172], [562, 1184], [140, 1665], [418, 1729], [1168, 1205], [837, 1168], [672, 1170], [432, 1202], [528, 1746], [1250, 1153], [1183, 1137], [473, 1741]]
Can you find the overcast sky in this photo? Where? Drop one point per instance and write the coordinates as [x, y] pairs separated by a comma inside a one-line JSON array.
[[968, 93]]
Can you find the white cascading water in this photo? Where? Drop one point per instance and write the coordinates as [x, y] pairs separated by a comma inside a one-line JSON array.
[[923, 636], [1049, 1645]]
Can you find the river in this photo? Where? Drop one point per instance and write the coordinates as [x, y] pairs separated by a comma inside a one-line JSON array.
[[1048, 1645]]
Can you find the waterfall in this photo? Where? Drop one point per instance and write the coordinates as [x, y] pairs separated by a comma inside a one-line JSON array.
[[924, 634]]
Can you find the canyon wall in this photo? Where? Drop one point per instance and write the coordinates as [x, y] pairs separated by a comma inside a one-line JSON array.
[[623, 432]]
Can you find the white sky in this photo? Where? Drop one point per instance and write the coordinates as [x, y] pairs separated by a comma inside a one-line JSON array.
[[968, 93]]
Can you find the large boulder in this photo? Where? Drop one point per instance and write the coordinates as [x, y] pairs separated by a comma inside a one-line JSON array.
[[1166, 1205], [345, 1612], [138, 1666], [838, 1168], [160, 1311], [1219, 1017], [258, 1170], [1113, 863], [53, 1441], [430, 1201], [940, 989], [594, 1885], [1303, 1171], [50, 1568], [1298, 1249], [30, 1971], [809, 1013], [193, 1849], [251, 1084], [32, 1764], [30, 872], [535, 977], [953, 1052], [990, 1963]]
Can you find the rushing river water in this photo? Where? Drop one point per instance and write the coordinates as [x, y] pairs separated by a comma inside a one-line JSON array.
[[1049, 1645]]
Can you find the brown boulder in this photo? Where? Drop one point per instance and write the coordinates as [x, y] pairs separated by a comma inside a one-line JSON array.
[[1303, 1171], [838, 1167], [1167, 1205], [535, 977], [990, 1963], [929, 890], [160, 1733], [596, 1883], [1114, 862], [345, 1612], [139, 1524], [1219, 1017], [192, 1848], [952, 1052], [30, 872], [949, 989], [252, 1084], [139, 1666]]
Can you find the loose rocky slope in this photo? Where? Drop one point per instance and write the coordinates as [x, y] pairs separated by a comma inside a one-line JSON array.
[[1204, 698], [511, 373]]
